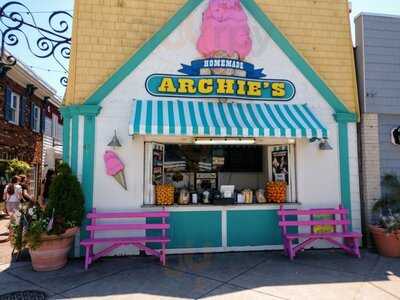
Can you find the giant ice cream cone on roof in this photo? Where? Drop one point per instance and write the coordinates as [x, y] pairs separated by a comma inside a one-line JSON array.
[[115, 167], [225, 33]]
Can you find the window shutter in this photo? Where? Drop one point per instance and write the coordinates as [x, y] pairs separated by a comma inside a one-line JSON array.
[[32, 118], [7, 104], [42, 114], [22, 106]]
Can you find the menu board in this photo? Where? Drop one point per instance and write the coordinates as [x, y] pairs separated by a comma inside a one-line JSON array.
[[158, 164], [280, 165]]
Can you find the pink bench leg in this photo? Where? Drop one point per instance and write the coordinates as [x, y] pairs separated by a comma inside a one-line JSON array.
[[162, 256], [87, 254], [291, 250]]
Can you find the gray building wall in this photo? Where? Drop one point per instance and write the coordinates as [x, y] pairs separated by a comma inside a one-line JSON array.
[[378, 70], [378, 56], [389, 153]]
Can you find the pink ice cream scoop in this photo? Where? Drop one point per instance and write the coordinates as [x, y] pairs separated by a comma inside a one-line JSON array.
[[114, 167], [225, 28]]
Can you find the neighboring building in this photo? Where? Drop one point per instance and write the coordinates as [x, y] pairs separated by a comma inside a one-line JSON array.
[[30, 124], [168, 76], [378, 66]]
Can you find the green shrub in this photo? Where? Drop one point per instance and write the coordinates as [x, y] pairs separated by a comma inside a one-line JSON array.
[[65, 200]]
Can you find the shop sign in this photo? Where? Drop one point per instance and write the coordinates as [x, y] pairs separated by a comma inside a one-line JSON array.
[[194, 84]]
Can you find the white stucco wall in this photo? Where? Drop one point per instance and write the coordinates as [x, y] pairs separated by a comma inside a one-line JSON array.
[[318, 177]]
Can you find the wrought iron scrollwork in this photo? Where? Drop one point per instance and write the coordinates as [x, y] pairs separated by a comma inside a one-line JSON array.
[[18, 24]]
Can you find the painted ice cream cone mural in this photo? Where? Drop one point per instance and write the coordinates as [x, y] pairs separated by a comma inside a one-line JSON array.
[[225, 33], [115, 167]]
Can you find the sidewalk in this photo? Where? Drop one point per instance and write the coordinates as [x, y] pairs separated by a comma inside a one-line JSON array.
[[257, 275]]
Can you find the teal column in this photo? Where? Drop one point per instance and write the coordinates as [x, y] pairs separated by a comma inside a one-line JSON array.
[[66, 137], [88, 159], [74, 143], [343, 119]]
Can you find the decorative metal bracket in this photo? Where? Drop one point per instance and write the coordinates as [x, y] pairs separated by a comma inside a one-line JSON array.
[[17, 23]]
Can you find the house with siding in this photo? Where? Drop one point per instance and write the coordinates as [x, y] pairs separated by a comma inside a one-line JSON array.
[[378, 67], [30, 123]]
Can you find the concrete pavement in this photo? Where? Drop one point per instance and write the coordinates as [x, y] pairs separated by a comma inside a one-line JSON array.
[[315, 274]]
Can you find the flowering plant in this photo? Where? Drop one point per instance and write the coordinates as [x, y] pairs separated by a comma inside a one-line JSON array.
[[29, 223], [388, 207], [64, 210]]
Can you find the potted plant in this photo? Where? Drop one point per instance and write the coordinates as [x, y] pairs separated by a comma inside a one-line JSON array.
[[49, 232], [386, 231]]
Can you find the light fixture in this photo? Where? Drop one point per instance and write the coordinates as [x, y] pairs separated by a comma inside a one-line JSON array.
[[115, 141], [324, 145], [224, 141]]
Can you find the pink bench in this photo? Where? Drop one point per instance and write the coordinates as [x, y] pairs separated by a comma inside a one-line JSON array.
[[118, 226], [338, 233]]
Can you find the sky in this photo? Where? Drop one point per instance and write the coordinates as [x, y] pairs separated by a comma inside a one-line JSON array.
[[40, 8]]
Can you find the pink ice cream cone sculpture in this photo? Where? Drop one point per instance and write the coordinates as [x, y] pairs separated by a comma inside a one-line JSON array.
[[115, 167], [225, 29]]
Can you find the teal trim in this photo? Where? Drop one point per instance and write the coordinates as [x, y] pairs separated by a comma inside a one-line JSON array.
[[275, 120], [193, 118], [346, 117], [171, 118], [74, 143], [149, 116], [143, 52], [250, 129], [294, 56], [343, 120], [160, 128], [182, 118], [234, 119], [255, 119], [192, 229], [88, 168], [284, 119], [73, 110], [214, 119], [253, 228], [224, 119], [66, 138], [265, 119]]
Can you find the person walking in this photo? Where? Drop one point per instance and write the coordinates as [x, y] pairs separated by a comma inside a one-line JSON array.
[[45, 188], [26, 196], [12, 195]]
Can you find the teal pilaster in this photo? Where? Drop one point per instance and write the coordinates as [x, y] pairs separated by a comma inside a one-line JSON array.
[[88, 159], [66, 137], [343, 119], [74, 143]]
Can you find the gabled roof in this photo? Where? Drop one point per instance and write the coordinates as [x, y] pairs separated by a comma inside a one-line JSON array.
[[320, 43]]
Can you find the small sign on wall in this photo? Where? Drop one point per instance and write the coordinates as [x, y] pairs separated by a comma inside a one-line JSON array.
[[395, 136]]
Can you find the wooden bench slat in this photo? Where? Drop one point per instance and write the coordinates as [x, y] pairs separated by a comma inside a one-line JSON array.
[[114, 227], [323, 235], [308, 212], [314, 223], [113, 243], [341, 236], [124, 240], [120, 215]]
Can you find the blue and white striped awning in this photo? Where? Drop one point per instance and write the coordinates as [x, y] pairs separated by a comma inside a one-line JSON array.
[[214, 119]]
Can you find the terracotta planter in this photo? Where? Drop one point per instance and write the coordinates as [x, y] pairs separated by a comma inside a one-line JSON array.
[[53, 252], [387, 244]]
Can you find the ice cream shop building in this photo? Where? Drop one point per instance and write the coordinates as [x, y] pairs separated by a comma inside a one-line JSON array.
[[218, 110]]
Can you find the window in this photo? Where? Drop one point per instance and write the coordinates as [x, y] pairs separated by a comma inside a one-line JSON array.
[[35, 118], [55, 127], [48, 126], [14, 108]]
